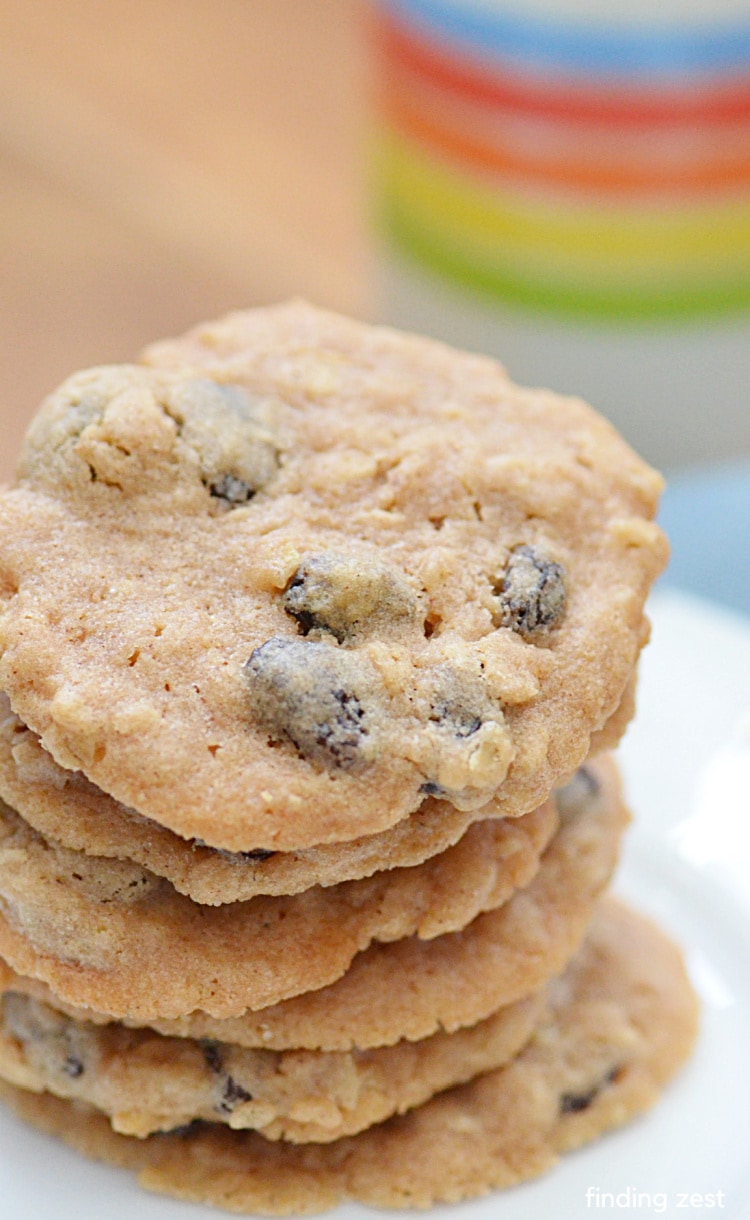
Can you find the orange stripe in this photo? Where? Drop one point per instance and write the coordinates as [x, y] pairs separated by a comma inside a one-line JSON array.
[[733, 172], [504, 90]]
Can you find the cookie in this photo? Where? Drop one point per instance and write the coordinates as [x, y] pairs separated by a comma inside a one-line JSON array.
[[147, 1083], [65, 806], [405, 990], [316, 571], [611, 733], [111, 934], [622, 1021]]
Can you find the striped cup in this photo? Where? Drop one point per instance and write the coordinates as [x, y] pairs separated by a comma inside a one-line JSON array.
[[566, 184]]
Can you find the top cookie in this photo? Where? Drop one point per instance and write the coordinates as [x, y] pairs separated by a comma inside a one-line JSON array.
[[293, 573]]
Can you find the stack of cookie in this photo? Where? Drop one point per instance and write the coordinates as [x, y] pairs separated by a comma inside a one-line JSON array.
[[313, 640]]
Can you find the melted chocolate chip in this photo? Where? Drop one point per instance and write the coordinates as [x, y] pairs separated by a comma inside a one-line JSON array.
[[33, 1022], [460, 719], [73, 1067], [574, 1103], [531, 592], [231, 489], [257, 855], [233, 1096], [432, 789], [459, 702], [232, 1092], [340, 737], [229, 431], [309, 693], [212, 1055], [346, 595], [184, 1131]]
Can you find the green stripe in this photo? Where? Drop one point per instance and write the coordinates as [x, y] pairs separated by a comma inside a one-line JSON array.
[[499, 282], [574, 231]]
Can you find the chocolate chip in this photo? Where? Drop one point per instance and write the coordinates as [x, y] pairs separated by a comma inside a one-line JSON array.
[[232, 489], [212, 1055], [465, 741], [231, 435], [574, 1103], [233, 1096], [459, 702], [311, 694], [35, 1023], [184, 1131], [531, 592], [52, 448], [432, 789], [232, 1092], [346, 595], [73, 1067], [257, 855], [462, 722], [340, 736]]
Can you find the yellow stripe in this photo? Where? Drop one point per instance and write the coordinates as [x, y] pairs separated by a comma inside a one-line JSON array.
[[554, 267], [625, 241]]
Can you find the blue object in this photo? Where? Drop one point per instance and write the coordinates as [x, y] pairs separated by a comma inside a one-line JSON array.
[[706, 514], [656, 47]]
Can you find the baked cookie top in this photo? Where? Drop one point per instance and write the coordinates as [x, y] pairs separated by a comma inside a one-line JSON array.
[[294, 573]]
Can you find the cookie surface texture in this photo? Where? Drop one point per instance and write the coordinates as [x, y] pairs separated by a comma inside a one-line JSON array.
[[147, 1083], [407, 989], [66, 807], [623, 1020], [124, 939], [316, 571]]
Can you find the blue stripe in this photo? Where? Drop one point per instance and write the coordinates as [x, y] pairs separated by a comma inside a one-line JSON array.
[[657, 49]]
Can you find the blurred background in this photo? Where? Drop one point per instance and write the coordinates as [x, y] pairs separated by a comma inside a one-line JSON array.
[[164, 161], [502, 181]]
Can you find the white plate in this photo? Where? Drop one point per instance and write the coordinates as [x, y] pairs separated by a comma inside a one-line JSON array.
[[687, 765]]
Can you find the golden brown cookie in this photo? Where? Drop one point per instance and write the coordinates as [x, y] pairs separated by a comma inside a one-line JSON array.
[[408, 989], [315, 571], [110, 934], [146, 1082], [65, 806], [622, 1022]]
